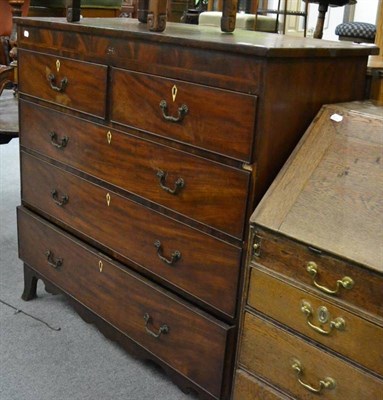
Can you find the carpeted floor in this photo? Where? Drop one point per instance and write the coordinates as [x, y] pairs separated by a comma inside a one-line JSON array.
[[75, 363]]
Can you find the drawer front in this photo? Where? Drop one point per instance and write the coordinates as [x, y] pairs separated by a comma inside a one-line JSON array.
[[294, 260], [209, 123], [206, 268], [72, 84], [212, 193], [122, 298], [342, 331], [247, 387], [282, 358]]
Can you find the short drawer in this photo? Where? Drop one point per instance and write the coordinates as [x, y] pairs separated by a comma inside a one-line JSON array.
[[198, 264], [338, 279], [208, 192], [342, 331], [185, 338], [289, 363], [72, 84], [247, 387], [213, 119]]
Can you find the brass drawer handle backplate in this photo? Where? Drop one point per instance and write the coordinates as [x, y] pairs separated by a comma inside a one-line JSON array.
[[346, 282], [60, 202], [52, 262], [326, 383], [182, 111], [178, 185], [52, 82], [175, 256], [163, 329], [56, 142], [338, 323]]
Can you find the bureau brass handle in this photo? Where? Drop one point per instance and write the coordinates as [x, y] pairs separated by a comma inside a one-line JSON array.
[[176, 255], [178, 184], [60, 202], [338, 323], [326, 383], [52, 262], [52, 82], [346, 282], [56, 142], [161, 330], [182, 111]]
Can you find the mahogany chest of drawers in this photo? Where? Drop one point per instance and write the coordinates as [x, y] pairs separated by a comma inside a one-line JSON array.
[[142, 158], [313, 317]]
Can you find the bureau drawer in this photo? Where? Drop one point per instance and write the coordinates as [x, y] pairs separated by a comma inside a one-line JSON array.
[[277, 356], [321, 272], [204, 267], [208, 192], [212, 116], [188, 340], [247, 387], [353, 336], [72, 84]]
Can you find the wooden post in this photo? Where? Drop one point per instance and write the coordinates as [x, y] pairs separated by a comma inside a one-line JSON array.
[[157, 15], [229, 14], [73, 11]]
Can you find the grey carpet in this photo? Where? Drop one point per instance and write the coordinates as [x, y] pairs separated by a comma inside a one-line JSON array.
[[76, 363]]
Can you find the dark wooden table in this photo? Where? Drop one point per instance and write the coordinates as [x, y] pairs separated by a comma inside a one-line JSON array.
[[9, 124]]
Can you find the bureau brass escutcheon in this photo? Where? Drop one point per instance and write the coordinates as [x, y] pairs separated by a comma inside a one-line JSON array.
[[175, 256], [59, 201], [100, 265], [178, 184], [53, 83], [52, 262], [346, 282], [58, 64], [162, 329], [338, 323], [182, 111], [326, 383], [56, 142]]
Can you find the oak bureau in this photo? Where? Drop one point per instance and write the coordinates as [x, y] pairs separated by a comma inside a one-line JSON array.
[[313, 315], [142, 158]]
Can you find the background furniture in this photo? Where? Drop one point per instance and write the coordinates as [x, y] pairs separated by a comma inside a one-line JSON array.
[[313, 310], [89, 8], [358, 32], [150, 154]]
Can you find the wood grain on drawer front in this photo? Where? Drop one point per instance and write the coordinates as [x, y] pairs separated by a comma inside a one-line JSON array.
[[216, 120], [270, 352], [359, 339], [247, 387], [290, 259], [208, 268], [122, 298], [86, 82], [219, 191]]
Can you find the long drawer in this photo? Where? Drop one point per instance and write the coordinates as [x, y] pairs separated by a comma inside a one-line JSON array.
[[247, 387], [205, 267], [198, 115], [180, 335], [289, 363], [328, 276], [73, 84], [172, 178], [325, 322]]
